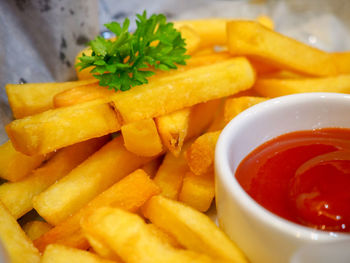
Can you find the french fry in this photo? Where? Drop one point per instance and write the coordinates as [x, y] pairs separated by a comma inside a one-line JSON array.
[[218, 121], [17, 196], [197, 191], [200, 155], [15, 165], [266, 21], [170, 173], [342, 62], [129, 193], [192, 229], [55, 129], [56, 253], [173, 129], [279, 87], [32, 98], [34, 229], [80, 94], [102, 169], [105, 252], [201, 117], [211, 31], [188, 88], [163, 236], [152, 167], [19, 247], [65, 126], [192, 39], [252, 39], [142, 138], [234, 106], [129, 237]]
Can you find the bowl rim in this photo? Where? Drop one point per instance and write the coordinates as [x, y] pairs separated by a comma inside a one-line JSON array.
[[238, 194]]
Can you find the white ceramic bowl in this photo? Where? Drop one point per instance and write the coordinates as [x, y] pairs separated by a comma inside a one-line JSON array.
[[263, 236]]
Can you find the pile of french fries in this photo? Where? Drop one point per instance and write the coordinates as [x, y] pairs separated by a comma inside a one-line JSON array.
[[127, 176]]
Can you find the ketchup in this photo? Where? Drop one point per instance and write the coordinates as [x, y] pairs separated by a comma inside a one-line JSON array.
[[303, 177]]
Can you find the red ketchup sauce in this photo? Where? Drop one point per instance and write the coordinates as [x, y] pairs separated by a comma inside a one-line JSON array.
[[303, 177]]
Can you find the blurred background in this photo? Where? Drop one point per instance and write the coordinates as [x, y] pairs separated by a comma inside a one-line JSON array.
[[39, 39]]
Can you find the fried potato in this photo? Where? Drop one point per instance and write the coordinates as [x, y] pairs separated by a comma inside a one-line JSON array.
[[129, 193], [34, 229], [19, 247], [56, 253], [266, 21], [17, 196], [279, 87], [201, 117], [342, 62], [142, 138], [192, 38], [152, 166], [200, 155], [192, 229], [234, 106], [184, 89], [102, 169], [32, 98], [58, 128], [129, 237], [252, 39], [173, 129], [15, 165], [80, 94], [198, 191], [65, 126], [170, 173], [211, 31]]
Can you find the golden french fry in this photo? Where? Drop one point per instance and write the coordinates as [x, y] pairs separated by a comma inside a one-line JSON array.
[[266, 21], [55, 129], [102, 169], [192, 38], [152, 166], [80, 94], [19, 247], [279, 87], [342, 62], [17, 196], [32, 98], [163, 236], [170, 173], [129, 194], [252, 39], [201, 117], [197, 191], [184, 89], [15, 165], [65, 126], [192, 229], [34, 229], [218, 121], [234, 106], [56, 253], [211, 31], [173, 129], [142, 138], [129, 237], [200, 155]]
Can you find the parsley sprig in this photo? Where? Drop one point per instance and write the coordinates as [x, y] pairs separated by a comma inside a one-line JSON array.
[[131, 58]]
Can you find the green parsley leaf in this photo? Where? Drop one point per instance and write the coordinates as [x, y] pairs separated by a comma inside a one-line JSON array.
[[127, 61]]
